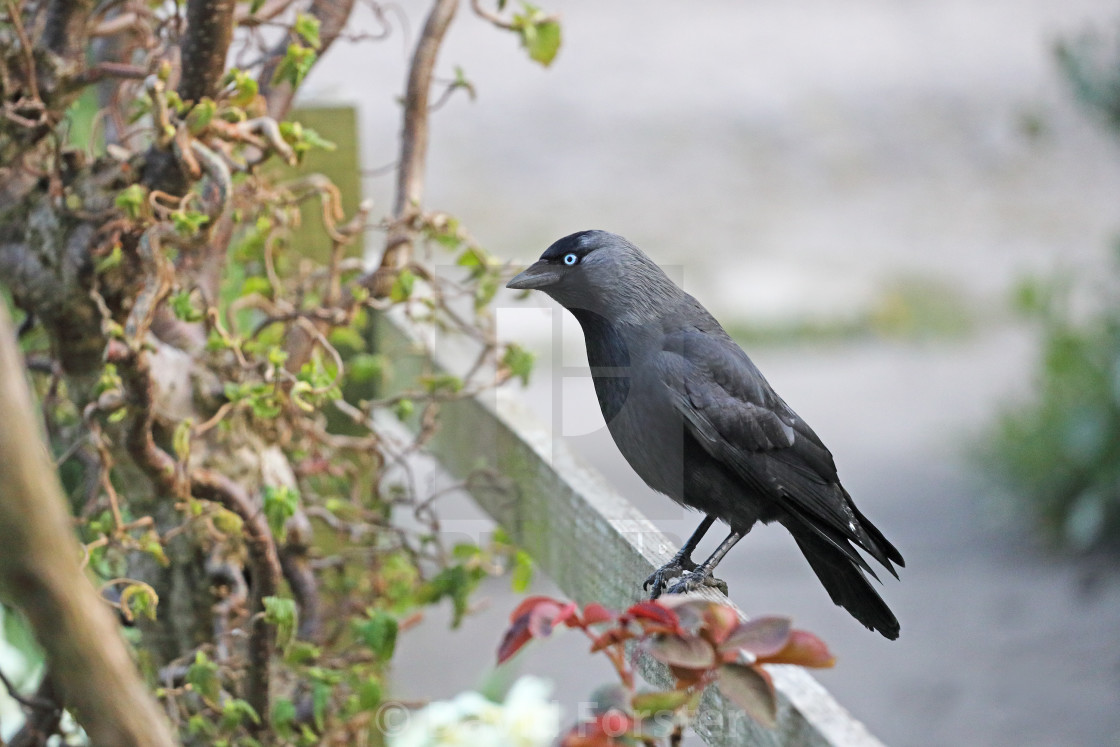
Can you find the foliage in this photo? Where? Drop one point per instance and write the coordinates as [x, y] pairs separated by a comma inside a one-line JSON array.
[[702, 643], [1059, 452], [209, 387]]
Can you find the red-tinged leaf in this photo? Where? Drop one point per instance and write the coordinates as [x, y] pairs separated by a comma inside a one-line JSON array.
[[689, 651], [595, 613], [587, 735], [609, 638], [762, 636], [688, 677], [568, 614], [607, 730], [751, 689], [719, 621], [655, 612], [804, 649], [528, 603], [690, 610], [516, 637], [547, 615], [614, 723]]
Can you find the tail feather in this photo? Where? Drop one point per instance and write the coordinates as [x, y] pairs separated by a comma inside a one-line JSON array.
[[879, 540], [844, 581]]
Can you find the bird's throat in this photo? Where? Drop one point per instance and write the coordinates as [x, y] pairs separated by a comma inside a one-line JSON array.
[[608, 355]]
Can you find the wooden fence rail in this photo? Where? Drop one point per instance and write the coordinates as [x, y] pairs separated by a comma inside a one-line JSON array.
[[590, 540]]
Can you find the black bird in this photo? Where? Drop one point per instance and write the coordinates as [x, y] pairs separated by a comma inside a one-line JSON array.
[[698, 422]]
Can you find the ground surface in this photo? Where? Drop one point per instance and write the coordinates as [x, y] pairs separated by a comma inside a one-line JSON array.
[[802, 163]]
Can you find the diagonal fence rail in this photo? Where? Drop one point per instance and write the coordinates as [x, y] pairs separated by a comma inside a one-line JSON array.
[[557, 509]]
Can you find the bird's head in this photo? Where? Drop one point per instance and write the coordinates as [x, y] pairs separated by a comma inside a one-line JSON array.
[[603, 273]]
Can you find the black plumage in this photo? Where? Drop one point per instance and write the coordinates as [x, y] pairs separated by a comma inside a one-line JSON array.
[[698, 422]]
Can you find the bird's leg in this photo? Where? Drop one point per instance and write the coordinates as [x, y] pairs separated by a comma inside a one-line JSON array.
[[702, 574], [682, 561]]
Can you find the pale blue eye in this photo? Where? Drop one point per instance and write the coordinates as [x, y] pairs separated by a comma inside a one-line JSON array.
[[570, 259]]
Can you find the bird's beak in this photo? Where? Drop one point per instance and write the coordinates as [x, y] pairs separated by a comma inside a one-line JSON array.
[[537, 275]]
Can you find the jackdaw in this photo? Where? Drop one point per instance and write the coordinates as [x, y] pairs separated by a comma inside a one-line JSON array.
[[698, 422]]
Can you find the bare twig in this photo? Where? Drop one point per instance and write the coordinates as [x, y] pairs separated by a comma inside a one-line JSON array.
[[25, 48], [27, 701], [41, 724], [414, 149], [490, 16]]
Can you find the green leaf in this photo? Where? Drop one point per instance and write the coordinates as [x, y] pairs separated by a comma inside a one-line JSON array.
[[486, 289], [139, 599], [245, 87], [301, 652], [187, 223], [454, 582], [442, 382], [307, 28], [280, 504], [370, 694], [320, 699], [283, 716], [295, 65], [518, 361], [282, 613], [404, 408], [236, 712], [152, 545], [750, 688], [650, 704], [379, 633], [475, 257], [367, 366], [540, 34], [347, 337], [202, 675], [256, 284], [200, 115], [132, 200], [109, 261], [402, 286], [303, 139], [522, 574], [182, 304]]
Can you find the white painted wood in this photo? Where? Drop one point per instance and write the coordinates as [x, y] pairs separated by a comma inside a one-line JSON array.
[[590, 540]]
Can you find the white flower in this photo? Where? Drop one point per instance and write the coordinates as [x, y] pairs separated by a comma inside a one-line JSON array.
[[527, 719]]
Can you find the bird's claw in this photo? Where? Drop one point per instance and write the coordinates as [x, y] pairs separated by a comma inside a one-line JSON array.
[[691, 581], [659, 579]]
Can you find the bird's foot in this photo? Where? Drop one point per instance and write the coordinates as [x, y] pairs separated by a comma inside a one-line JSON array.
[[696, 579], [659, 579]]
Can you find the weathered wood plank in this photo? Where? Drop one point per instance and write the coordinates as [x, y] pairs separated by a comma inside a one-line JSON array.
[[590, 540]]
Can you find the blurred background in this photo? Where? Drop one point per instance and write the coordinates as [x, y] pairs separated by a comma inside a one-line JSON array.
[[907, 216]]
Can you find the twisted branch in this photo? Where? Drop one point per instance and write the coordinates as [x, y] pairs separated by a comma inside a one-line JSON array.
[[264, 565]]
